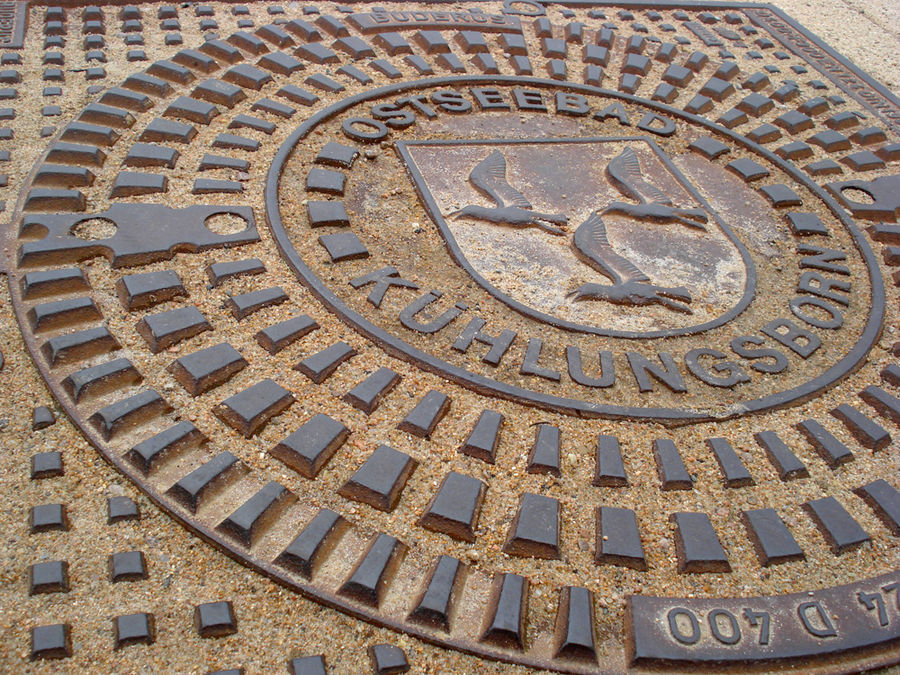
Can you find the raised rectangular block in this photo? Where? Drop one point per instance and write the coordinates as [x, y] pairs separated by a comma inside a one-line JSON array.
[[367, 394], [839, 528], [424, 417], [672, 473], [618, 538], [319, 366], [250, 410], [774, 543], [284, 333], [455, 507], [245, 523], [310, 548], [195, 486], [309, 448], [697, 545], [380, 479], [208, 368], [535, 529], [484, 437]]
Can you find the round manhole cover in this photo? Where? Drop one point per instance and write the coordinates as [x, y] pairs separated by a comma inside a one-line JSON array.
[[556, 336]]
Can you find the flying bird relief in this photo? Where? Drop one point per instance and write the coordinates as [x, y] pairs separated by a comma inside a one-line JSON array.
[[630, 286], [489, 178]]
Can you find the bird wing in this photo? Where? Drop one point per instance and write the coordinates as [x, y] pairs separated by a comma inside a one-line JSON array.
[[591, 242], [489, 177], [624, 171]]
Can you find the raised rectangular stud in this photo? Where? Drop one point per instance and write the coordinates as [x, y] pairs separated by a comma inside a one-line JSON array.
[[319, 366], [235, 142], [53, 641], [887, 405], [250, 410], [544, 454], [297, 95], [127, 566], [78, 345], [485, 436], [434, 607], [310, 447], [672, 473], [780, 455], [574, 630], [825, 444], [610, 469], [150, 154], [52, 282], [220, 272], [424, 417], [133, 629], [139, 291], [696, 544], [127, 413], [327, 214], [168, 131], [148, 453], [208, 368], [733, 470], [217, 91], [381, 479], [455, 507], [372, 575], [245, 522], [192, 110], [46, 465], [367, 394], [343, 246], [215, 619], [865, 430], [168, 328], [838, 527], [534, 531], [284, 333], [245, 304], [48, 577], [774, 543], [884, 500], [310, 548], [618, 538], [507, 608], [190, 490], [249, 122], [47, 518], [58, 313], [100, 379]]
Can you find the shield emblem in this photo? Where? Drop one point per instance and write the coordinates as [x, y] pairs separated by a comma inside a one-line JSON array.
[[599, 235]]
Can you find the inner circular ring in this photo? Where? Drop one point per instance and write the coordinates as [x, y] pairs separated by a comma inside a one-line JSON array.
[[847, 364]]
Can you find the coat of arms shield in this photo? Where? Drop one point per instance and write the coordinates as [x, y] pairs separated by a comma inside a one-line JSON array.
[[600, 235]]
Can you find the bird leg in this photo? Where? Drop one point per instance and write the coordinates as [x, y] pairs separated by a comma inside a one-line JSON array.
[[692, 218], [557, 219], [635, 293]]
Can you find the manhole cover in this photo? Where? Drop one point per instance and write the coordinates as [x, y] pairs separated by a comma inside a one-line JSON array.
[[559, 336]]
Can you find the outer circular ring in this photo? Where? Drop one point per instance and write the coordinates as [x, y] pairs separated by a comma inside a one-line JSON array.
[[850, 362]]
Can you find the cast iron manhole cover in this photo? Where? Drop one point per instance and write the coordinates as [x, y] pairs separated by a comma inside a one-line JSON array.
[[561, 336]]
